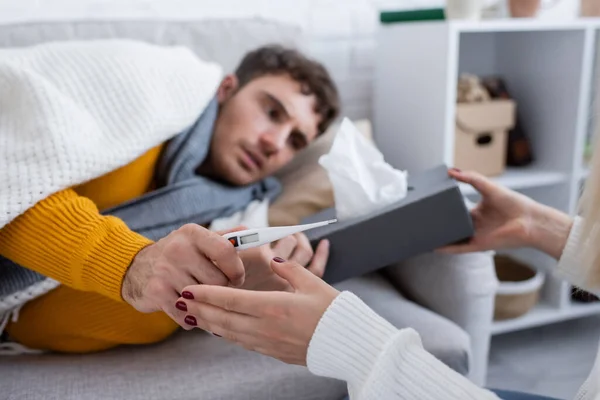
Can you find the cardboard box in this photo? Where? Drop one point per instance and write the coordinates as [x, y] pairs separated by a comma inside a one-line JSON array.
[[432, 215], [481, 135], [590, 8]]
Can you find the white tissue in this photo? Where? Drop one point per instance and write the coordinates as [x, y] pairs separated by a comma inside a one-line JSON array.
[[362, 181]]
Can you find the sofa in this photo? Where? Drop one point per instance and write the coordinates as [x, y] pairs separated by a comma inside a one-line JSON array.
[[448, 299]]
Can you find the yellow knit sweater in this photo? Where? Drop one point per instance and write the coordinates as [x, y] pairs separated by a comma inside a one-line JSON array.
[[65, 238]]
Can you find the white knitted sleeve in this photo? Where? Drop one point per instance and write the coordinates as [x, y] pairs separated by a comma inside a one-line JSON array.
[[571, 266], [378, 361]]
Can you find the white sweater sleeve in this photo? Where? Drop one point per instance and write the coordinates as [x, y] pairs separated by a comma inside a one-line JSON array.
[[354, 344], [571, 266]]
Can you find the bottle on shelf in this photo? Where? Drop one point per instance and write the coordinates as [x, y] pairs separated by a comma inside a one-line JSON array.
[[581, 296], [518, 152]]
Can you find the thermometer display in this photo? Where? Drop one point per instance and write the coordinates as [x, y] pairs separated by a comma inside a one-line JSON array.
[[249, 239]]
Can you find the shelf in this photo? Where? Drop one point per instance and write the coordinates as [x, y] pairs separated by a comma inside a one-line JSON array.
[[584, 173], [416, 130], [511, 25], [523, 178], [543, 314], [523, 25]]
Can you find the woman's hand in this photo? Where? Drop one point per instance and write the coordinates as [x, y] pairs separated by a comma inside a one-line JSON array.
[[502, 219], [277, 324], [296, 248], [507, 219]]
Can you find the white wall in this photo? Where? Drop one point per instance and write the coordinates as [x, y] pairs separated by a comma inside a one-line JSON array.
[[340, 32]]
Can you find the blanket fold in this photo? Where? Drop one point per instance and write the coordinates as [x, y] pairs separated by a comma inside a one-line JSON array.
[[73, 111]]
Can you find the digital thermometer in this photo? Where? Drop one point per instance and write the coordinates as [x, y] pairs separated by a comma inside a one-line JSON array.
[[250, 238]]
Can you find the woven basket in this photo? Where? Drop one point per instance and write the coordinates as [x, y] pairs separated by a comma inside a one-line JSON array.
[[519, 288]]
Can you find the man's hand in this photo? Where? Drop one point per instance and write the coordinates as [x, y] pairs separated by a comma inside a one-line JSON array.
[[296, 248], [187, 256]]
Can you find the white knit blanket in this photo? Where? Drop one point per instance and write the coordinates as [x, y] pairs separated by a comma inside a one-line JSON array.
[[73, 111]]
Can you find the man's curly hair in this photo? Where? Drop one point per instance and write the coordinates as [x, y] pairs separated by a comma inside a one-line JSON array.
[[314, 78]]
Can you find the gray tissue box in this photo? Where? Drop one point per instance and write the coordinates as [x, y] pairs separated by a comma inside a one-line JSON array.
[[432, 215]]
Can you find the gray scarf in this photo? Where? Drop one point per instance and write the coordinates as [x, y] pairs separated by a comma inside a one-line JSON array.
[[183, 197]]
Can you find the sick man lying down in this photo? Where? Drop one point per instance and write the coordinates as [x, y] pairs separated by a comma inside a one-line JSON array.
[[121, 273]]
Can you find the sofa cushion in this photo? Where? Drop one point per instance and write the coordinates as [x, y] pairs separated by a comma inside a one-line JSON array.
[[224, 41], [195, 365], [189, 365]]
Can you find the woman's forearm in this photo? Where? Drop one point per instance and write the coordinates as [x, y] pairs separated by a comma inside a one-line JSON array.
[[378, 361], [550, 230]]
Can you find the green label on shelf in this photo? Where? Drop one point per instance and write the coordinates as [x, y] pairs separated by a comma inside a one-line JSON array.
[[392, 17]]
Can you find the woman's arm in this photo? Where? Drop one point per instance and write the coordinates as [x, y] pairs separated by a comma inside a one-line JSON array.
[[572, 266], [336, 335], [507, 219], [550, 230], [65, 238], [378, 361]]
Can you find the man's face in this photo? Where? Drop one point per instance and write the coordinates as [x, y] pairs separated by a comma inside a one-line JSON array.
[[260, 128]]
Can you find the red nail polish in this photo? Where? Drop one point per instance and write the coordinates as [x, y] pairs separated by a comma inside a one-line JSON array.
[[278, 259], [190, 320], [187, 295], [181, 306]]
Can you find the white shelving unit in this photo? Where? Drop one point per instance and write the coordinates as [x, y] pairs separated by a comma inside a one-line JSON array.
[[549, 68], [543, 314]]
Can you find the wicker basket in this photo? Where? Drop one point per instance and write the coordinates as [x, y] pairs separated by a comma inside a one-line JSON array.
[[519, 288]]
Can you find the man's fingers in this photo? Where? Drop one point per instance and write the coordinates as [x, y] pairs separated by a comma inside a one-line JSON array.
[[172, 281], [303, 252], [319, 261], [168, 295], [479, 182], [236, 229], [219, 250], [206, 272], [232, 299], [285, 247], [179, 318], [298, 276]]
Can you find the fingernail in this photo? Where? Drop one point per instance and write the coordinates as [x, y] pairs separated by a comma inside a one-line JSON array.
[[187, 295], [181, 306], [214, 334], [455, 169], [190, 320], [278, 259]]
